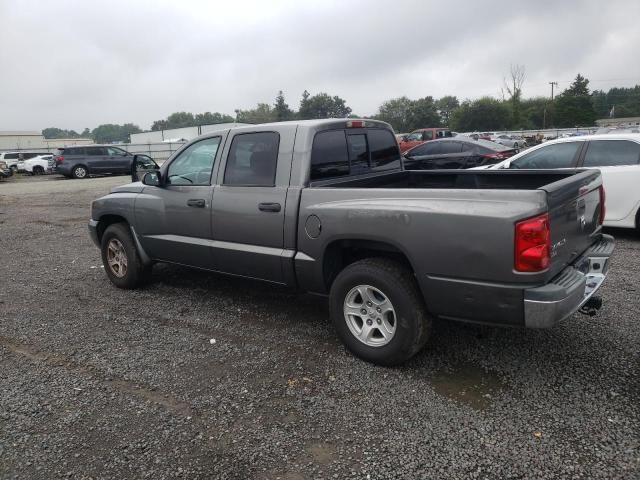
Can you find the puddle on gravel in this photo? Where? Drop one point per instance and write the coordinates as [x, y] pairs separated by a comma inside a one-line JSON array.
[[469, 384]]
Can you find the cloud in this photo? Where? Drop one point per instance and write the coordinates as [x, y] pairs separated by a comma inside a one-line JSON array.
[[76, 64]]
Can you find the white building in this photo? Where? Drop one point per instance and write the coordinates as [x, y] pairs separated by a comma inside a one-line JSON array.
[[28, 140], [178, 134]]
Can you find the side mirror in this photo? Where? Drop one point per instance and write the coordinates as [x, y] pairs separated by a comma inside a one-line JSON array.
[[140, 165], [152, 179]]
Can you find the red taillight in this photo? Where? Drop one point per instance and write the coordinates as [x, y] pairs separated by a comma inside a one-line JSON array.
[[497, 156], [59, 159], [533, 244], [603, 210]]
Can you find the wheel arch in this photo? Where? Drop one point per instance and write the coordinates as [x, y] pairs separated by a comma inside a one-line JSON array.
[[341, 253], [109, 219]]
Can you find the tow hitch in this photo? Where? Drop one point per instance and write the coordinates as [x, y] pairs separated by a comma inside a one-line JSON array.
[[592, 306]]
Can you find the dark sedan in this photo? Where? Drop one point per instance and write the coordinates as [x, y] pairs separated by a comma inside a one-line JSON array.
[[455, 153]]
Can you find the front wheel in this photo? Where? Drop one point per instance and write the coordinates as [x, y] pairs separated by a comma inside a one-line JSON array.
[[120, 258], [378, 312]]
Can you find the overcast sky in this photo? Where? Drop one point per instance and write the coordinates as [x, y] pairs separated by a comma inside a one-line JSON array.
[[76, 64]]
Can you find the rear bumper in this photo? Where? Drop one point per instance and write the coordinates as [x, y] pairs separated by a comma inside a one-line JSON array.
[[549, 304]]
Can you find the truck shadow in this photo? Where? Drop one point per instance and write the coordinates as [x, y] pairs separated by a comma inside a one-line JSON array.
[[469, 364]]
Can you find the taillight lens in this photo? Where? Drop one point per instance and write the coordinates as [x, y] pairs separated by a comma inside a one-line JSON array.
[[498, 156], [603, 210], [533, 244], [59, 159]]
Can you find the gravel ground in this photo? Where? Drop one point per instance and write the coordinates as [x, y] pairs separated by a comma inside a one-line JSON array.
[[103, 383]]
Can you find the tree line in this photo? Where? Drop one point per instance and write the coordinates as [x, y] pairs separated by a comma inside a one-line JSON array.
[[576, 106]]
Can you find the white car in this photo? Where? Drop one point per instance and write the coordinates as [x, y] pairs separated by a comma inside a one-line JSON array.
[[12, 158], [509, 141], [617, 156], [37, 165]]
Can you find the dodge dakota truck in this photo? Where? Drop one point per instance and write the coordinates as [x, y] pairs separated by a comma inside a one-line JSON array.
[[325, 206]]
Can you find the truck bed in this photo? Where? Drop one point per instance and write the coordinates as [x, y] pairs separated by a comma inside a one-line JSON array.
[[455, 179]]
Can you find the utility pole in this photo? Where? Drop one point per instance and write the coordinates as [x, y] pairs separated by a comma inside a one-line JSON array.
[[552, 84]]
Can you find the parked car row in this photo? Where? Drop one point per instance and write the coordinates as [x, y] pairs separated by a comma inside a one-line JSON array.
[[617, 156], [12, 159], [454, 153]]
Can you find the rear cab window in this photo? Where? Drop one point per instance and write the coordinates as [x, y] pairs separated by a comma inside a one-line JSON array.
[[337, 153]]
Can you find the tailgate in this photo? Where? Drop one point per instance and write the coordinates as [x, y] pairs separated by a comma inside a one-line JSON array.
[[574, 213]]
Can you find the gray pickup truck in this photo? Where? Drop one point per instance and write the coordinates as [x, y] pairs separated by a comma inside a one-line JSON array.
[[325, 206]]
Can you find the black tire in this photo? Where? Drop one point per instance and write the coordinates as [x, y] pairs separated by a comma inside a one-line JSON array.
[[14, 168], [37, 170], [412, 322], [80, 171], [136, 273]]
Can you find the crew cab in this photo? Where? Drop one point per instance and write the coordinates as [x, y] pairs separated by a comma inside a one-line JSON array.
[[423, 135], [325, 206]]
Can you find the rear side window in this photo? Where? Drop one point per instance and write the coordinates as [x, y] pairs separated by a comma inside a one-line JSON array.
[[611, 153], [95, 151], [427, 135], [467, 147], [560, 155], [73, 151], [451, 147], [10, 156], [329, 156], [252, 159]]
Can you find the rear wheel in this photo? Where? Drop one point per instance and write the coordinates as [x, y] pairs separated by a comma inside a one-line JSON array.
[[120, 258], [37, 170], [378, 311], [79, 171]]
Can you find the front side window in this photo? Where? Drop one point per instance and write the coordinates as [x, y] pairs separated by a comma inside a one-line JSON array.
[[560, 155], [611, 153], [414, 137], [426, 149], [116, 152], [451, 147], [252, 159], [193, 165]]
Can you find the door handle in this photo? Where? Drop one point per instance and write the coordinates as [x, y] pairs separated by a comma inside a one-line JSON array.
[[196, 202], [269, 207]]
